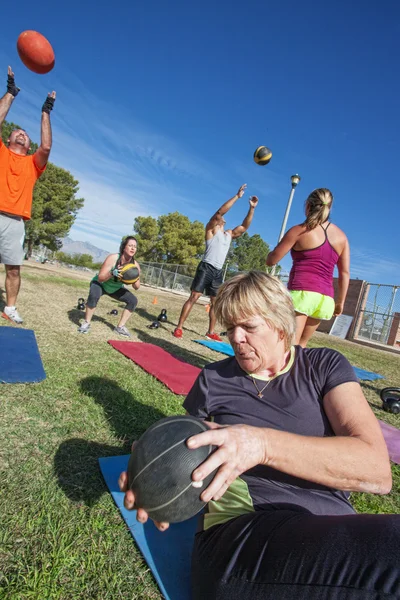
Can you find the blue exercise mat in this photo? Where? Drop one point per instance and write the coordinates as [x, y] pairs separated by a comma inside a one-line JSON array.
[[225, 348], [217, 346], [20, 360], [366, 375], [167, 554]]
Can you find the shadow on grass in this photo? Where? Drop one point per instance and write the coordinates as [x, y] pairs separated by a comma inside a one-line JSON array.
[[76, 316], [153, 317], [76, 460], [193, 358], [146, 315], [377, 390]]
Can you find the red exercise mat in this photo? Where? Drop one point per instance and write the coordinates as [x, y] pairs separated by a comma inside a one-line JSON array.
[[176, 374]]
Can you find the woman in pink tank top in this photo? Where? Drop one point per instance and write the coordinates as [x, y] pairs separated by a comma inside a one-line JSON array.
[[316, 247]]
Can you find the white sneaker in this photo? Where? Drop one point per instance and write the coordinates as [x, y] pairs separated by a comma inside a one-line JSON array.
[[122, 331], [11, 313], [84, 328]]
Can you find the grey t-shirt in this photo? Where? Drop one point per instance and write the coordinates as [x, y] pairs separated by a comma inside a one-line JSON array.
[[217, 248], [292, 402]]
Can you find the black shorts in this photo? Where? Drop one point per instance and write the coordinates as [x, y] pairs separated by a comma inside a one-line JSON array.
[[295, 555], [207, 279]]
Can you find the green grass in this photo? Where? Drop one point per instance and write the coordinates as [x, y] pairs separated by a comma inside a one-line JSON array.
[[61, 536]]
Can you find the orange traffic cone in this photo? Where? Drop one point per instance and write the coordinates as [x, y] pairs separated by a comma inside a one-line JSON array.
[[155, 301]]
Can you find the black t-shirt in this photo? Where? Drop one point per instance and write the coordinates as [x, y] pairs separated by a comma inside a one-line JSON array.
[[291, 402]]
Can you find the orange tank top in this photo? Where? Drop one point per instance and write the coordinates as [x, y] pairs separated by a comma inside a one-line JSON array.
[[18, 175]]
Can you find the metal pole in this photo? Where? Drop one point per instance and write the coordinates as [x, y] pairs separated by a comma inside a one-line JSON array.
[[285, 218], [159, 275], [226, 268], [176, 272], [295, 180]]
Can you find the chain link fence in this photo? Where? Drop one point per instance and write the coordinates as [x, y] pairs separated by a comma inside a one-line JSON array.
[[178, 277], [167, 276], [378, 307]]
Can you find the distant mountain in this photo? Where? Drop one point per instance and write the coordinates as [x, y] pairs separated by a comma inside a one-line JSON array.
[[71, 246]]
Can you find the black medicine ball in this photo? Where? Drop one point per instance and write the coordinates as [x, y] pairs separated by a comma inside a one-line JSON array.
[[262, 155], [161, 466]]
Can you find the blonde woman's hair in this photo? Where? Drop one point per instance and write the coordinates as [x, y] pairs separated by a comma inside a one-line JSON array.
[[255, 293], [318, 206]]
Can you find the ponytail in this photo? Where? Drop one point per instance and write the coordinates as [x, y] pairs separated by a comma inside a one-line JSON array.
[[318, 206]]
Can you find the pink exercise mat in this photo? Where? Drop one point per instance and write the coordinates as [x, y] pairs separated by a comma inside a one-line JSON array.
[[392, 439]]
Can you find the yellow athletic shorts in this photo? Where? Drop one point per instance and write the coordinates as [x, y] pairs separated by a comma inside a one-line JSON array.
[[313, 304]]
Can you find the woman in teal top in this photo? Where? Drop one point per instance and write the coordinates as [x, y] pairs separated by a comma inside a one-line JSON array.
[[107, 281]]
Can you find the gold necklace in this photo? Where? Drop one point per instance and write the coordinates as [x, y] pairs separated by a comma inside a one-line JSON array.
[[260, 392]]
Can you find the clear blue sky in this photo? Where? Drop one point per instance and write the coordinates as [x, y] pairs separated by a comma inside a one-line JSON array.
[[161, 105]]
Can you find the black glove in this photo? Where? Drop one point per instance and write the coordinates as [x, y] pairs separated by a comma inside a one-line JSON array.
[[48, 105], [11, 87]]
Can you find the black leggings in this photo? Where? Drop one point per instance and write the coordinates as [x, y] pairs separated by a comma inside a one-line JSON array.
[[295, 555], [96, 291]]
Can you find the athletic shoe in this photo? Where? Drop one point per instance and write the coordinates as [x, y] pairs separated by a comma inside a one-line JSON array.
[[178, 333], [84, 328], [214, 336], [122, 331], [11, 313]]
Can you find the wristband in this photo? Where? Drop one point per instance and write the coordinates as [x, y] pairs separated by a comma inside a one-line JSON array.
[[11, 87], [48, 105]]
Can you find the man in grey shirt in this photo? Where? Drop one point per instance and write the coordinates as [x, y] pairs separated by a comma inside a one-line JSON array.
[[208, 277]]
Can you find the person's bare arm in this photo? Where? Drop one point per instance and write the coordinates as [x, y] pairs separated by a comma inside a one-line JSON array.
[[284, 246], [106, 268], [343, 266], [355, 459], [42, 154], [225, 207], [9, 96], [240, 229]]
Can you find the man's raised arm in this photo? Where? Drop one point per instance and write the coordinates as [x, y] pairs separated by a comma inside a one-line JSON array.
[[43, 152], [240, 229], [8, 98], [225, 207]]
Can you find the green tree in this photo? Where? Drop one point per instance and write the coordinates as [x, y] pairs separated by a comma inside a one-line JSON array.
[[171, 238], [147, 233], [84, 260], [54, 208], [55, 204], [247, 253], [79, 260]]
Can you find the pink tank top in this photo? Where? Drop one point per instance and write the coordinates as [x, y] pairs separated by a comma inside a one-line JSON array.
[[312, 270]]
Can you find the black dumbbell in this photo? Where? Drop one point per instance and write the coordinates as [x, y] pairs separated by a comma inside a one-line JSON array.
[[154, 325], [81, 304], [113, 312]]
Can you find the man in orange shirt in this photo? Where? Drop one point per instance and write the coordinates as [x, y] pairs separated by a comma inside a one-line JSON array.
[[18, 175]]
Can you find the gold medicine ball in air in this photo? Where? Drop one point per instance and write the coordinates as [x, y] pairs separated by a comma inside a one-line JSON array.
[[262, 155]]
